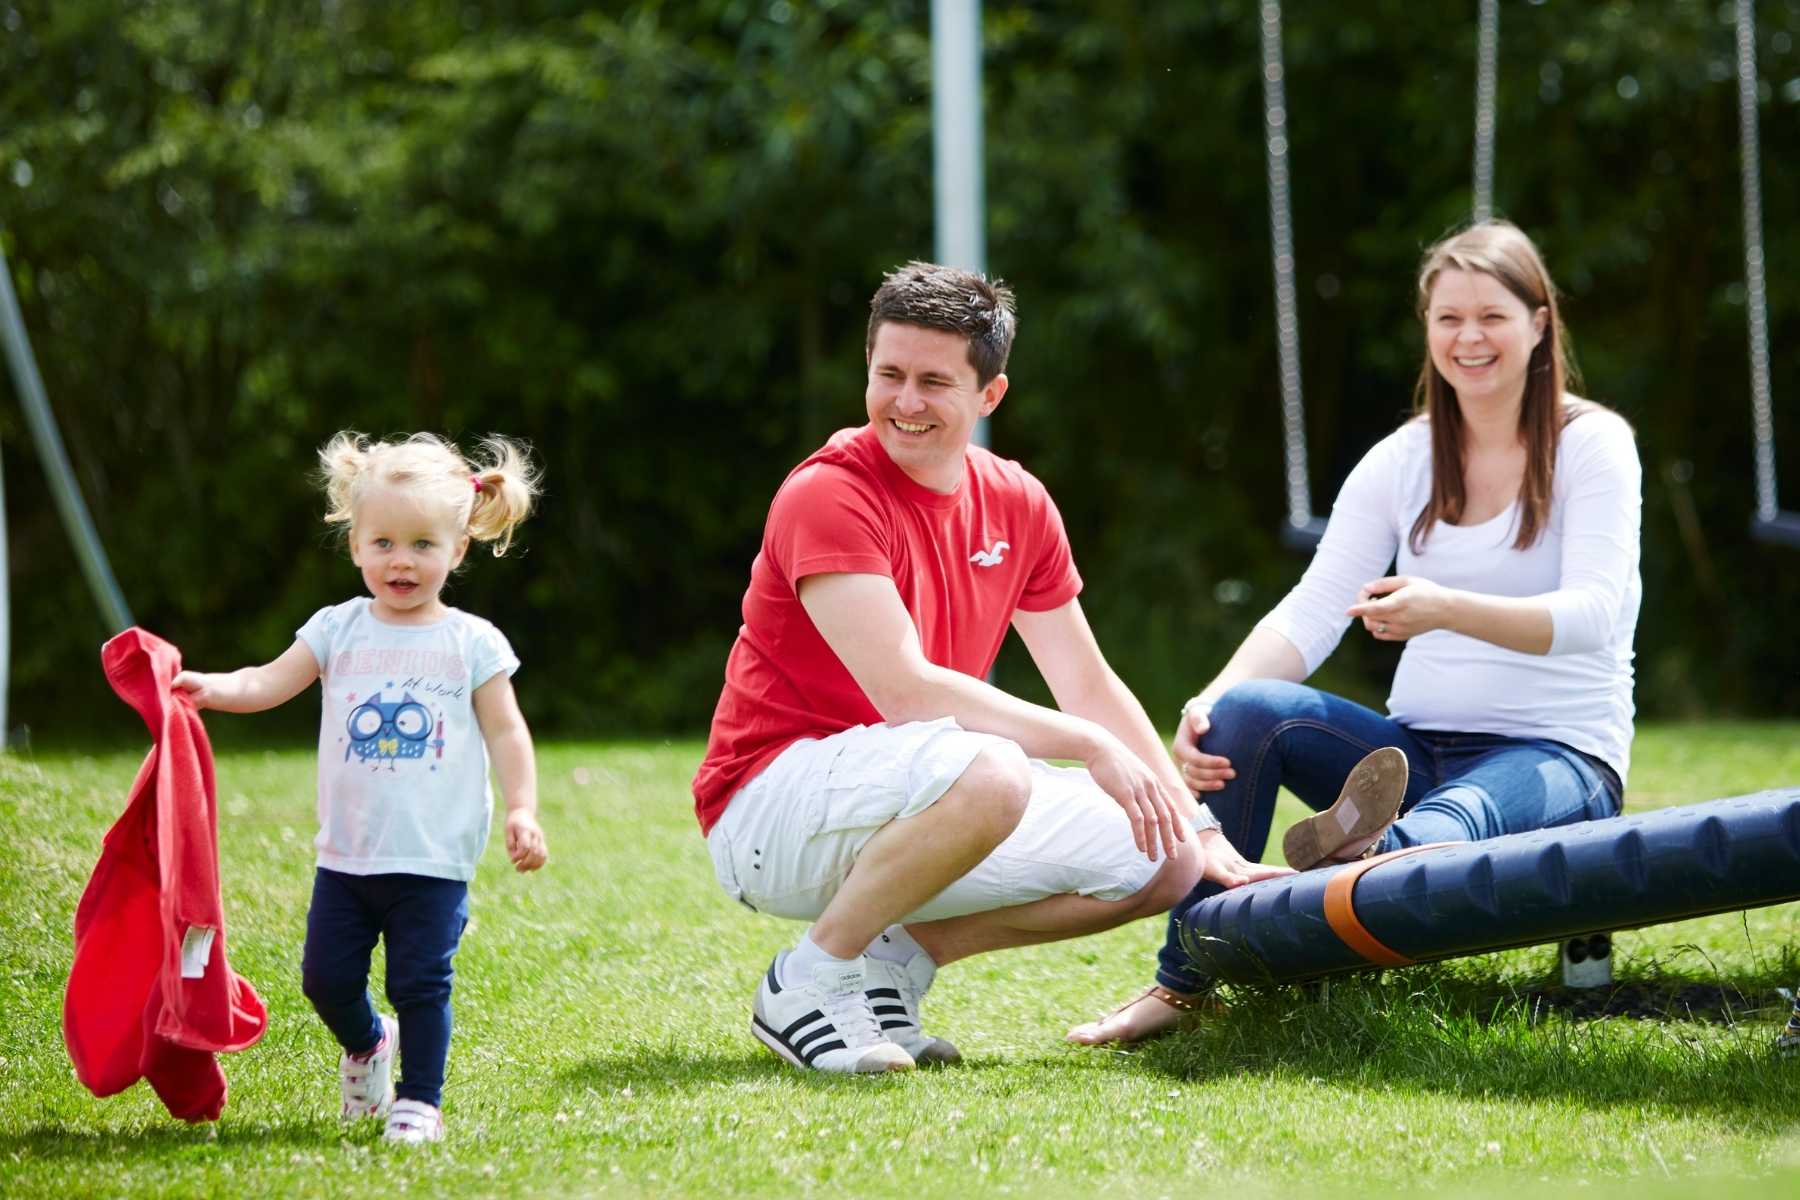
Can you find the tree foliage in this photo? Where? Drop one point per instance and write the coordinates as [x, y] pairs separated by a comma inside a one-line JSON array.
[[642, 236]]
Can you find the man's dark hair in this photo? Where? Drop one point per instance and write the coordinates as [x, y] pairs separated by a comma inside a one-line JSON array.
[[955, 301]]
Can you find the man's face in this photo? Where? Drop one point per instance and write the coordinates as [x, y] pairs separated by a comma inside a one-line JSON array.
[[923, 401]]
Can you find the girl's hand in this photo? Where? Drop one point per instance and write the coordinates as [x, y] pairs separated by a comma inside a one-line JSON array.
[[525, 841], [1201, 772], [1397, 607], [204, 690]]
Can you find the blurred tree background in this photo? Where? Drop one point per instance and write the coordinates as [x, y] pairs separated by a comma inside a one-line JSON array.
[[643, 237]]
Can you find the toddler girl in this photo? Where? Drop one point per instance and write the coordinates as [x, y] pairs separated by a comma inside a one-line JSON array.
[[416, 695]]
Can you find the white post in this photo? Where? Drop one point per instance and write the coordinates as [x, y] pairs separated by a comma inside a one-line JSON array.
[[958, 177], [1487, 52]]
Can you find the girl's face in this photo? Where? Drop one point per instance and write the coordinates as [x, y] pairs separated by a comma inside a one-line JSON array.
[[1481, 336], [406, 550]]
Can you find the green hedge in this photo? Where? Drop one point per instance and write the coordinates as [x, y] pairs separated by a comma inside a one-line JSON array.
[[644, 237]]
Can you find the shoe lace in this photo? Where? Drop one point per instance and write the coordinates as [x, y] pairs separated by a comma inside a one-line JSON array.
[[854, 1018]]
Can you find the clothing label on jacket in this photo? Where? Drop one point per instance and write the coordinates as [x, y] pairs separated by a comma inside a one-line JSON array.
[[196, 948]]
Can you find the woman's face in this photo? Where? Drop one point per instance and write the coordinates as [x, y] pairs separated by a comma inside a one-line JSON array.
[[1481, 336]]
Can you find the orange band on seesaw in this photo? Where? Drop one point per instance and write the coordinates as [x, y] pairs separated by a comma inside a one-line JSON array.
[[1340, 909]]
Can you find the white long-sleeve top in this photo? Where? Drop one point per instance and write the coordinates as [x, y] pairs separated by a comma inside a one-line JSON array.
[[1584, 569]]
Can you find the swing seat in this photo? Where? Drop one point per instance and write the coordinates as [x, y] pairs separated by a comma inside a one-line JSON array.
[[1523, 889], [1304, 536], [1783, 529]]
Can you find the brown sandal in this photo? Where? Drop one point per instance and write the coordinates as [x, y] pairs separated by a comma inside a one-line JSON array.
[[1352, 827], [1186, 1005], [1205, 1002]]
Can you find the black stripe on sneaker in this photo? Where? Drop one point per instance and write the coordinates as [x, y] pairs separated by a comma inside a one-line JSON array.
[[890, 1010], [824, 1029], [883, 993], [774, 983], [821, 1048], [808, 1019], [886, 1025], [758, 1024], [799, 1049]]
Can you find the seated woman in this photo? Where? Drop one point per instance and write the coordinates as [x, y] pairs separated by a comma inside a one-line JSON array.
[[1514, 508]]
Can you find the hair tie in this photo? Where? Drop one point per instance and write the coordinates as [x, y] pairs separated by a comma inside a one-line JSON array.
[[476, 480]]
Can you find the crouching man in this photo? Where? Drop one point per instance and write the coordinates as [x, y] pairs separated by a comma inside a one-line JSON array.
[[862, 776]]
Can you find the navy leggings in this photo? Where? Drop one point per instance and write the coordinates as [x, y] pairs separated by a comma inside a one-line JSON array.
[[421, 919]]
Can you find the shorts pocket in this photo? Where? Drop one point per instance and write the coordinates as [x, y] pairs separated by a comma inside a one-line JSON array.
[[859, 790]]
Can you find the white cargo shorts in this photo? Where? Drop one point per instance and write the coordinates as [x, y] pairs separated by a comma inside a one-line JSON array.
[[789, 837]]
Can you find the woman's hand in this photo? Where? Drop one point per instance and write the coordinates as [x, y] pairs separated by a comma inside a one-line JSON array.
[[1201, 772], [1397, 607]]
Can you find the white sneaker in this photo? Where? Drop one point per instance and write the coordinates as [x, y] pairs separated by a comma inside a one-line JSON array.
[[413, 1122], [368, 1083], [824, 1024], [895, 992]]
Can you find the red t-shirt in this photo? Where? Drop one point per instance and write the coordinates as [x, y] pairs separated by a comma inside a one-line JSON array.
[[963, 563]]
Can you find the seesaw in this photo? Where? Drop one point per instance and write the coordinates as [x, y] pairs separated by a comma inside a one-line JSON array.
[[1524, 889]]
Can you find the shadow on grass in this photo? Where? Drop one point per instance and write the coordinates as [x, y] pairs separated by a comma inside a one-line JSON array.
[[59, 1141], [1430, 1030], [668, 1069]]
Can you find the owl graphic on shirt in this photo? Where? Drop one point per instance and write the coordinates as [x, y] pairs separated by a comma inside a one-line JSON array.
[[389, 731]]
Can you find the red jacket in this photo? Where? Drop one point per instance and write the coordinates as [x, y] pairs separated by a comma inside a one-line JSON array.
[[151, 995]]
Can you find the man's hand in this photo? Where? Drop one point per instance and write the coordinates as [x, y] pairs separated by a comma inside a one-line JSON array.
[[1201, 772], [1149, 803], [1226, 867], [525, 841]]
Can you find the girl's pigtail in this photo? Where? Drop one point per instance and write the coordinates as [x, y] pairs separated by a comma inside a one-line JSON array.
[[505, 488], [341, 463]]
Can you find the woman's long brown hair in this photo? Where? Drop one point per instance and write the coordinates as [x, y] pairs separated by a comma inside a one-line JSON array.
[[1498, 249]]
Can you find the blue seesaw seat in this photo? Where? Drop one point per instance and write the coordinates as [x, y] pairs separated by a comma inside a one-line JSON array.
[[1523, 889]]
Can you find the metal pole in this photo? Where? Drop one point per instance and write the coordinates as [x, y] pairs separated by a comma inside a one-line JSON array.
[[1487, 52], [1756, 298], [958, 182], [57, 472], [5, 593], [1281, 238]]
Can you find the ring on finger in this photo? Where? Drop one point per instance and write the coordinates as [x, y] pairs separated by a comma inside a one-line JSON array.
[[1381, 627]]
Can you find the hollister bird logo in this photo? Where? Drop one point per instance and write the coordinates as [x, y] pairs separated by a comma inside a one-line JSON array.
[[990, 558]]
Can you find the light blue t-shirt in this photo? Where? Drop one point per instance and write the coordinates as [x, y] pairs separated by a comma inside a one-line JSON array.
[[403, 771]]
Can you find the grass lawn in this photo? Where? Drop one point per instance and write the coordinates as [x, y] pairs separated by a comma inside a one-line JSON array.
[[601, 1043]]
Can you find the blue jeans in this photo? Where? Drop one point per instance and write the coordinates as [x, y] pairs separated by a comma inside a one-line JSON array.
[[422, 921], [1461, 787]]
